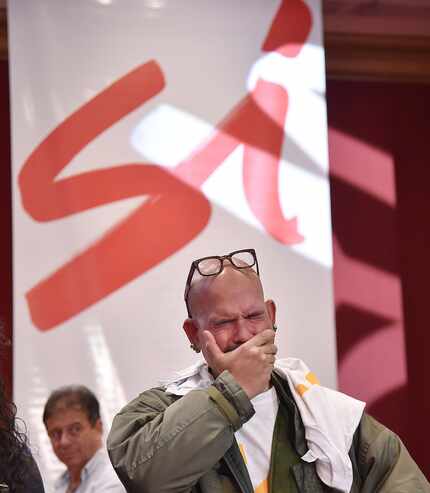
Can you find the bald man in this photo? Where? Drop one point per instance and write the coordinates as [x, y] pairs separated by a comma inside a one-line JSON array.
[[243, 421]]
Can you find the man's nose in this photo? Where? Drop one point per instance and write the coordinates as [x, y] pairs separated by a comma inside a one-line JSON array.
[[243, 331], [64, 439], [224, 260]]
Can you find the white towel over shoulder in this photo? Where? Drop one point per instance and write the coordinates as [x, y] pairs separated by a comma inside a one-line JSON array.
[[330, 419]]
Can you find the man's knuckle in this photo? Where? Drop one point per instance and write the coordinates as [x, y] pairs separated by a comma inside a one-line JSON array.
[[254, 351]]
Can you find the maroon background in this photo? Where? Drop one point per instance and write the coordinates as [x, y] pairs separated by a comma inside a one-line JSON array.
[[396, 240], [395, 118]]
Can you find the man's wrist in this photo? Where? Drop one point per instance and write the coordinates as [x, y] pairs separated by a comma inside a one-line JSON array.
[[230, 389]]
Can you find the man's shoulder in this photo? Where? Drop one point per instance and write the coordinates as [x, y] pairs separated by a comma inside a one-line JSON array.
[[101, 474], [382, 456], [156, 399], [375, 437], [61, 482]]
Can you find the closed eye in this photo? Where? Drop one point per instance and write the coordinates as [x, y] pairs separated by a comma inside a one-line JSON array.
[[255, 315], [220, 323]]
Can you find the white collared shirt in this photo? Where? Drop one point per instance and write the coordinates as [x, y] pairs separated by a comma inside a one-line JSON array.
[[97, 476]]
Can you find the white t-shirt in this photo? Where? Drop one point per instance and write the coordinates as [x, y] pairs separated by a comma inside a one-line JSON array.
[[255, 439]]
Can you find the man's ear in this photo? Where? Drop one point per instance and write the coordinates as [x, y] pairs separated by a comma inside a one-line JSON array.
[[191, 330], [99, 425], [271, 310]]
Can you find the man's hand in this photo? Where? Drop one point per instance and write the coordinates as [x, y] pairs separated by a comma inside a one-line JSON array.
[[250, 364]]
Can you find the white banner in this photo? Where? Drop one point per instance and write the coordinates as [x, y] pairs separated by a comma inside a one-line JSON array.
[[147, 134]]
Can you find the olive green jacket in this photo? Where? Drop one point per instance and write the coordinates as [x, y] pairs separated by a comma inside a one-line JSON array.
[[162, 443]]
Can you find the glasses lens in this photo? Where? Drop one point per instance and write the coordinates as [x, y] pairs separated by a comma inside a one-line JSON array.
[[209, 266], [243, 259]]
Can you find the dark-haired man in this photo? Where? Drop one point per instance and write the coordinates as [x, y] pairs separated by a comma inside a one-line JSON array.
[[242, 421], [72, 420]]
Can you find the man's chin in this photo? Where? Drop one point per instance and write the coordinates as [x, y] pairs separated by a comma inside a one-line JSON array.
[[70, 460]]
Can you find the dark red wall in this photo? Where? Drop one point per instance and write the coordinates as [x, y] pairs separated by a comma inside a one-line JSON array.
[[380, 173]]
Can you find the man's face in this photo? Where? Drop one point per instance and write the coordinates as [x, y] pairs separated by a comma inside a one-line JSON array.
[[74, 439], [231, 306]]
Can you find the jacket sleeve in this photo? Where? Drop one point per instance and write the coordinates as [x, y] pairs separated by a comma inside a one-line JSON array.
[[159, 444], [385, 464]]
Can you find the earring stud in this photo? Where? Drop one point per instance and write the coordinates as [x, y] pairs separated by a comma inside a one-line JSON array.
[[195, 348]]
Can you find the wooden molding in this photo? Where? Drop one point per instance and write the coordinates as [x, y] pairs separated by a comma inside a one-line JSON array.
[[377, 57]]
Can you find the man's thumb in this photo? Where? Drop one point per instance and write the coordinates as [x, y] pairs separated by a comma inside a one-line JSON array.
[[210, 345]]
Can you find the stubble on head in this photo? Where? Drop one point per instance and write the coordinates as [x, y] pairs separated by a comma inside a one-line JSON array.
[[205, 291]]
